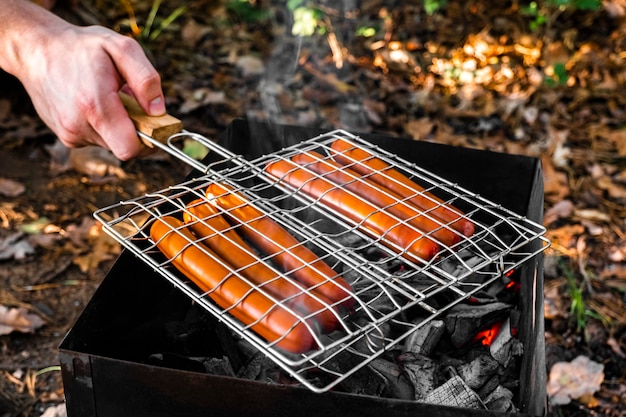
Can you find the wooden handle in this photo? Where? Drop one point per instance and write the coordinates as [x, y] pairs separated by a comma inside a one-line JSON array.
[[157, 127]]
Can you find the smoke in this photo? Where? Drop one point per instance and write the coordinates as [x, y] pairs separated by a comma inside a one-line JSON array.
[[305, 77]]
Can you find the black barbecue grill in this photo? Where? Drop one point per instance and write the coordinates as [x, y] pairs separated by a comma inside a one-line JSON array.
[[395, 294]]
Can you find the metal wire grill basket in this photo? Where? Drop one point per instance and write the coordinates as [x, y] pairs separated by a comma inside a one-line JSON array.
[[393, 294]]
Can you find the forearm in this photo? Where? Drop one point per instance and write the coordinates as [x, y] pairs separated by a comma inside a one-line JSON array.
[[25, 28]]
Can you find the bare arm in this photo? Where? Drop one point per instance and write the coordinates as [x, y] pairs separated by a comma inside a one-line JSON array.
[[73, 75]]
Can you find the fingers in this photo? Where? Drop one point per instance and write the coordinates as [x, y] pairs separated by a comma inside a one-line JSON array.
[[140, 76], [111, 122], [108, 117]]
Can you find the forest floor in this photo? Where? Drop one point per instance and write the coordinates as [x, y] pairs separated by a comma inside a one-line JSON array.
[[469, 75]]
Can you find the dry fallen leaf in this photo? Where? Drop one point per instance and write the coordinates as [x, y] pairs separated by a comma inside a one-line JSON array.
[[15, 246], [592, 215], [192, 32], [250, 66], [614, 189], [90, 244], [420, 129], [103, 249], [556, 186], [562, 209], [11, 188], [55, 411], [18, 320], [619, 138], [78, 234], [200, 97], [95, 162], [580, 378]]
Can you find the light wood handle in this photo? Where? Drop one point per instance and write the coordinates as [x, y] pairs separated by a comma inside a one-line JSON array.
[[157, 127]]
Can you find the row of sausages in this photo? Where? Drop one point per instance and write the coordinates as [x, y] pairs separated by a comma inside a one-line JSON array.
[[295, 297]]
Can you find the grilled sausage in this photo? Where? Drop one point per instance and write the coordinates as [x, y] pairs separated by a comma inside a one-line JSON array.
[[371, 219], [282, 247], [268, 319], [377, 195], [366, 164], [218, 234]]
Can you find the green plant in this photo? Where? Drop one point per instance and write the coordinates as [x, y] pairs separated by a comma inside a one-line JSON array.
[[546, 11], [578, 308], [247, 11], [154, 26], [432, 6], [307, 20], [558, 77]]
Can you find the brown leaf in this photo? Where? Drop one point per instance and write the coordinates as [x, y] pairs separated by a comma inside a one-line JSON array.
[[419, 129], [95, 162], [250, 66], [562, 209], [618, 137], [100, 247], [11, 188], [614, 189], [78, 234], [592, 215], [200, 97], [15, 246], [192, 32], [565, 237], [18, 320], [556, 186], [574, 380]]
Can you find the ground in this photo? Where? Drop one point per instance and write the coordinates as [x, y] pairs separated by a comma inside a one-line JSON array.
[[465, 75]]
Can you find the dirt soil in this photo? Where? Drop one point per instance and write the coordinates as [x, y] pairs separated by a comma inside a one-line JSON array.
[[466, 76]]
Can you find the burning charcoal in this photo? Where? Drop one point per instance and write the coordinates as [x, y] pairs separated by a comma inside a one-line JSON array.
[[256, 365], [365, 381], [397, 384], [253, 368], [424, 340], [349, 240], [421, 371], [504, 346], [495, 289], [415, 281], [501, 400], [455, 393], [229, 345], [464, 321], [478, 371], [489, 386], [218, 366], [352, 276], [452, 266]]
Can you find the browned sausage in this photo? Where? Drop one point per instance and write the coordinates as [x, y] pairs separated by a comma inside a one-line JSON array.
[[366, 164], [371, 219], [283, 248], [270, 320], [219, 235], [377, 195]]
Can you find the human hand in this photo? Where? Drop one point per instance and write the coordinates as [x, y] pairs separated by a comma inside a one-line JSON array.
[[73, 75]]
